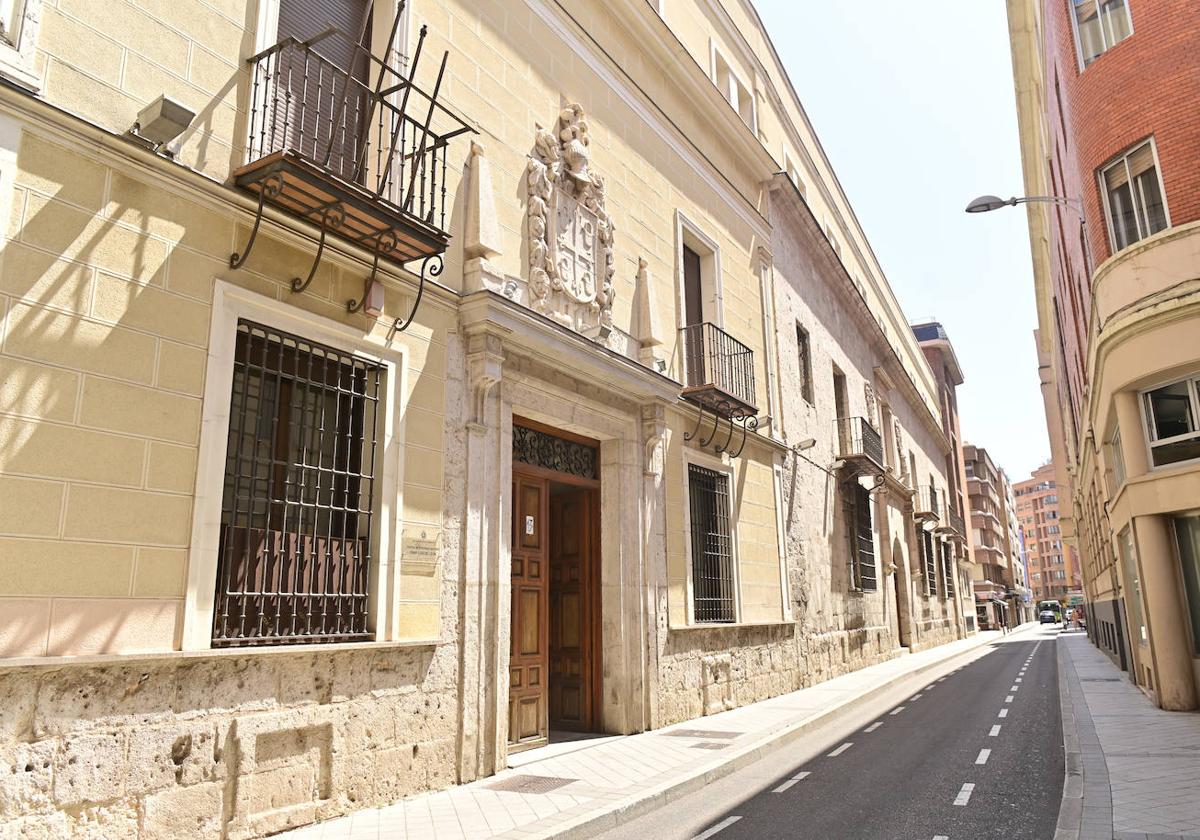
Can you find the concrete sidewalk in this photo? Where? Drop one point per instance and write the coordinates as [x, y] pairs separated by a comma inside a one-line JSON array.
[[579, 788], [1133, 770]]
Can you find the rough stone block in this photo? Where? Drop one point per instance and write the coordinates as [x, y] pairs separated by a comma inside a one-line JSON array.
[[195, 811], [73, 700], [26, 778], [90, 768], [223, 684]]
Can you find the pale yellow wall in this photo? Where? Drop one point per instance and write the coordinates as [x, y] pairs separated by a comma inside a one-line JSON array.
[[106, 284]]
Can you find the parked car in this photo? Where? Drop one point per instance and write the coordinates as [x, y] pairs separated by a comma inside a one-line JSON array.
[[1048, 617]]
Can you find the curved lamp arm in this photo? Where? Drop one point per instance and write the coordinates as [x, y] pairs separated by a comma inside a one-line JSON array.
[[985, 203]]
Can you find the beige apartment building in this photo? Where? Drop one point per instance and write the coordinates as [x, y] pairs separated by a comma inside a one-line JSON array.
[[1053, 568], [416, 383], [993, 574], [1105, 93]]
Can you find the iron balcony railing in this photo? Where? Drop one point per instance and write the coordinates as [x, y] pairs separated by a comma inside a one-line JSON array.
[[366, 123], [857, 438], [957, 522], [719, 368], [927, 502]]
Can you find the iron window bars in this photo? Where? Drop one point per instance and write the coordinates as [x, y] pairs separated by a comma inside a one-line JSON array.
[[712, 546], [948, 570], [862, 542], [297, 502], [930, 559]]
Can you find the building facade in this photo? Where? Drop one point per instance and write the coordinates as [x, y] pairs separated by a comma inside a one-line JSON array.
[[1016, 554], [992, 574], [407, 388], [1103, 92], [1053, 566]]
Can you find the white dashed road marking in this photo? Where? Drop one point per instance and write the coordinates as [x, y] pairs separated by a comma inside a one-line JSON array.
[[995, 731], [941, 837], [1015, 688], [721, 826], [1008, 699], [915, 697], [983, 756], [874, 726], [1004, 713], [797, 778], [964, 795], [841, 749], [896, 710]]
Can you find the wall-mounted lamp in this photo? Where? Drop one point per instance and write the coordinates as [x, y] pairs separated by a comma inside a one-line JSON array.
[[160, 122], [807, 443], [987, 203]]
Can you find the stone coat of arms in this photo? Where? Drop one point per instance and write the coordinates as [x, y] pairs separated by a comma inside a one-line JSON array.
[[569, 231]]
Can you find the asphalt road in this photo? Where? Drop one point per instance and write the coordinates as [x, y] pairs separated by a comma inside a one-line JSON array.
[[971, 752]]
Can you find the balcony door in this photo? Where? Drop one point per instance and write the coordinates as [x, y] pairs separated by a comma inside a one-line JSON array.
[[329, 98]]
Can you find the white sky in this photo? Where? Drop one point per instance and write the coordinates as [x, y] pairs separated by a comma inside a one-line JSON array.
[[913, 103]]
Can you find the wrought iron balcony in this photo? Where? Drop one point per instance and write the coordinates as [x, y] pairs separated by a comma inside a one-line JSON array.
[[927, 504], [859, 445], [359, 150], [719, 371], [957, 524]]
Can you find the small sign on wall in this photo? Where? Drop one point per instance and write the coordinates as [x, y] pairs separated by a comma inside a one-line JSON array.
[[529, 526]]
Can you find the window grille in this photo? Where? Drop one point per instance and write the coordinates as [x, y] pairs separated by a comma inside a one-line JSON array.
[[712, 546], [862, 542], [948, 570], [930, 562], [296, 515]]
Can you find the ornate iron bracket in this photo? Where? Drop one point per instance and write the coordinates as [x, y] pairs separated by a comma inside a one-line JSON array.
[[431, 266], [270, 187], [749, 423], [384, 242], [332, 216], [699, 420]]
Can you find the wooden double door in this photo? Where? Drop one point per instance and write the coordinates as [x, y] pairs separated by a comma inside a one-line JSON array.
[[555, 621]]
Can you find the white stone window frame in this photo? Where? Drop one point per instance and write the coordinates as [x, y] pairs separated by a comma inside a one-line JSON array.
[[230, 304], [725, 467], [1123, 158], [1105, 34], [693, 236], [736, 89], [793, 173], [19, 22], [1149, 431]]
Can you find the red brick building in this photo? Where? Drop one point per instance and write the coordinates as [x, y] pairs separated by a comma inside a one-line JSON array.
[[1107, 94]]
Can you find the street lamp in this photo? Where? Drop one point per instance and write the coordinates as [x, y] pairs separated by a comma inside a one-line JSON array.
[[987, 203]]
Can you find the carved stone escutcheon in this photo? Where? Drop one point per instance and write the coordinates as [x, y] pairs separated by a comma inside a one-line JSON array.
[[568, 229]]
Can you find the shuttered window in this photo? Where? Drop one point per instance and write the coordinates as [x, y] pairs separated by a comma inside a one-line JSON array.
[[296, 515], [948, 570], [862, 541], [1136, 208], [927, 554], [712, 546]]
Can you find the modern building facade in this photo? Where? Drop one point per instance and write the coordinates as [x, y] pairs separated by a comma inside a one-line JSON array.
[[408, 388], [1023, 602], [1104, 95], [1053, 566], [992, 575]]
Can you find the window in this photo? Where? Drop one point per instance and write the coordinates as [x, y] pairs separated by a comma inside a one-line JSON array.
[[18, 41], [1118, 458], [804, 357], [793, 174], [861, 538], [1173, 421], [731, 87], [1187, 533], [930, 561], [1099, 25], [1133, 583], [948, 569], [294, 560], [1134, 197], [712, 546]]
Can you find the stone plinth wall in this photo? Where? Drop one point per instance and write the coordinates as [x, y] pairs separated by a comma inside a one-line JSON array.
[[710, 669], [828, 655], [220, 746]]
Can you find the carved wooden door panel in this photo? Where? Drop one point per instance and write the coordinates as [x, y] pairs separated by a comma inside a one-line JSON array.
[[528, 719], [571, 612]]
